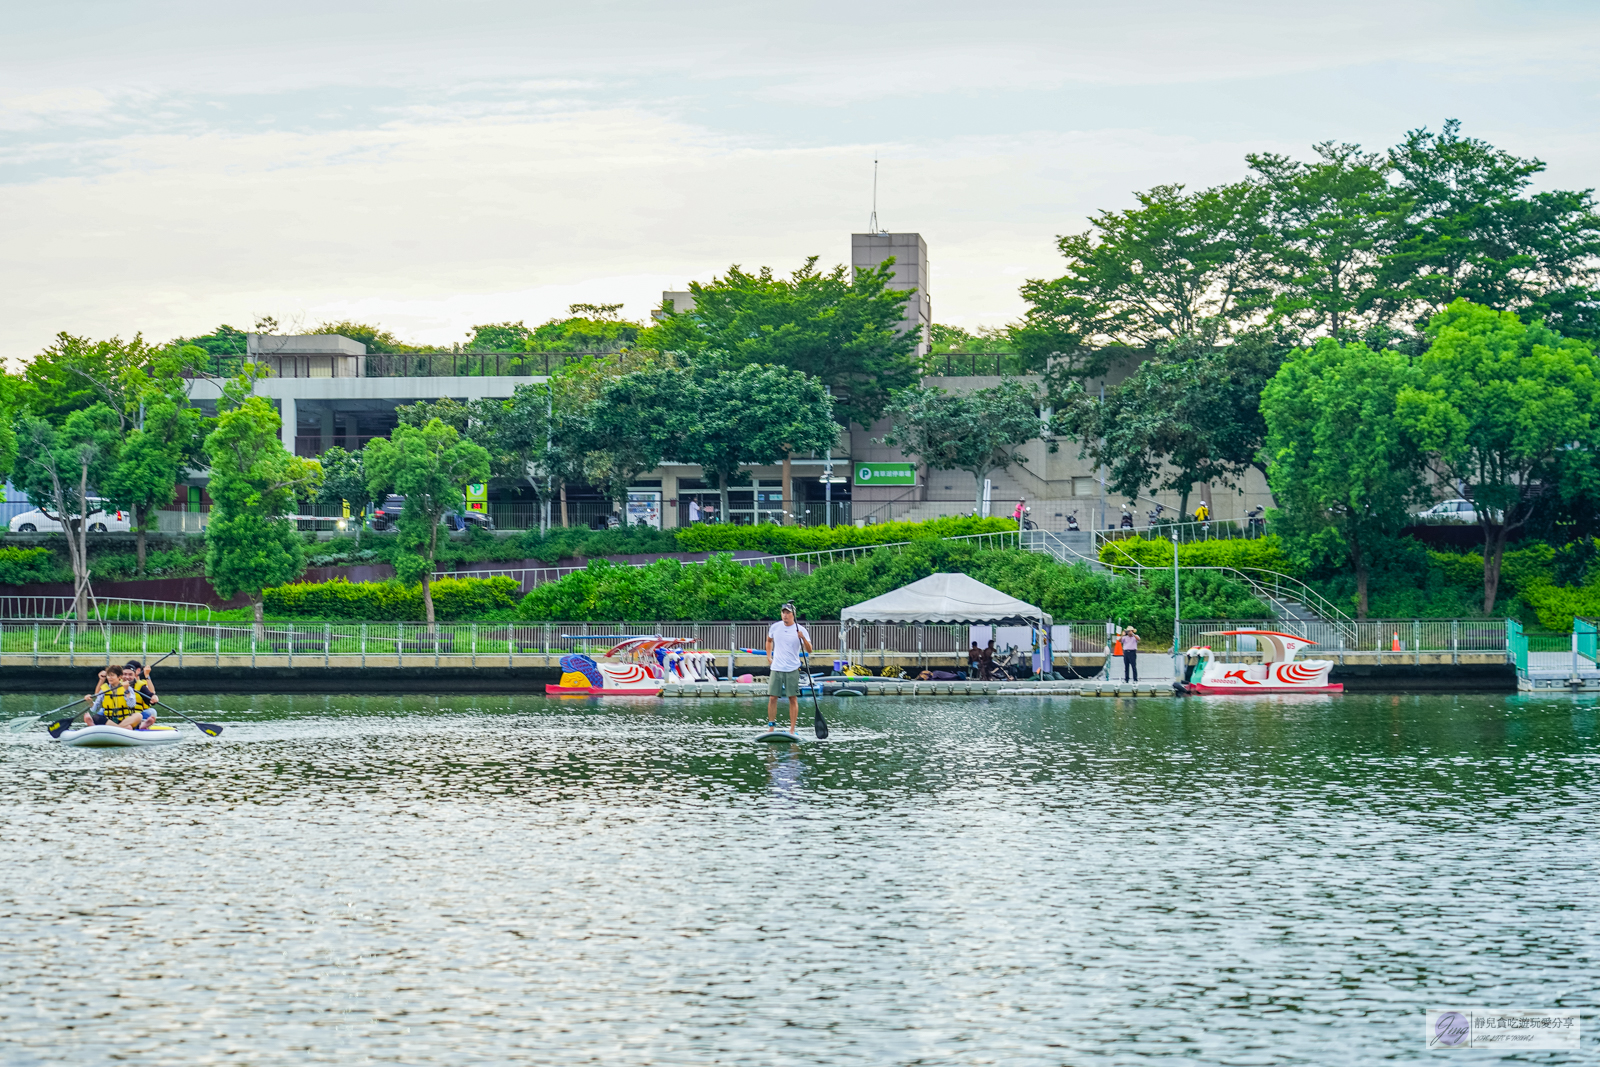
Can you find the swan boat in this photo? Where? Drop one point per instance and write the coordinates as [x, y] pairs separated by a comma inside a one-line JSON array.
[[1278, 671], [635, 666]]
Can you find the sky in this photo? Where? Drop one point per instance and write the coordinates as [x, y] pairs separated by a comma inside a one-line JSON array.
[[428, 166]]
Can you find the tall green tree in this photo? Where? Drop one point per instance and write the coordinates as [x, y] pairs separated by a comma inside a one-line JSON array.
[[1340, 455], [1180, 264], [255, 483], [62, 470], [431, 466], [844, 329], [1189, 414], [981, 431], [1471, 230], [1325, 234], [754, 416], [1502, 409]]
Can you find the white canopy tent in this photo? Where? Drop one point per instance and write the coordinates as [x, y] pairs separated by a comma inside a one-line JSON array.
[[951, 598], [947, 598]]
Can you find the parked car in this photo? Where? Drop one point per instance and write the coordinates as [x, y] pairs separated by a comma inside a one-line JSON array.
[[387, 515], [1457, 510], [37, 521]]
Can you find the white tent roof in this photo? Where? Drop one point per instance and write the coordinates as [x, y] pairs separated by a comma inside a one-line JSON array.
[[946, 598]]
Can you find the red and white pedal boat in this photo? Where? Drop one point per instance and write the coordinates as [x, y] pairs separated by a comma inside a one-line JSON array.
[[1278, 671], [635, 666]]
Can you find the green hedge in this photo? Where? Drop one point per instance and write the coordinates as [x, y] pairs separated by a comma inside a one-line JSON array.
[[781, 540], [453, 598], [1263, 553]]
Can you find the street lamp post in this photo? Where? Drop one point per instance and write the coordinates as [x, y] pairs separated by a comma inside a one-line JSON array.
[[1177, 662], [827, 486]]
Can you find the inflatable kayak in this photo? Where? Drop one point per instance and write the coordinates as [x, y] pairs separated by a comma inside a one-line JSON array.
[[117, 737]]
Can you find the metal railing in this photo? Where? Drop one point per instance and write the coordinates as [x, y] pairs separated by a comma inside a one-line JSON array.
[[103, 608], [473, 364], [1279, 590], [1390, 636], [480, 644], [973, 364], [1211, 530]]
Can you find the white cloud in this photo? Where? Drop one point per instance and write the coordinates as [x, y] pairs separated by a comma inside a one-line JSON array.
[[171, 167]]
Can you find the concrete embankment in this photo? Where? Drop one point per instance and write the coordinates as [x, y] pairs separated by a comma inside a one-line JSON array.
[[465, 678]]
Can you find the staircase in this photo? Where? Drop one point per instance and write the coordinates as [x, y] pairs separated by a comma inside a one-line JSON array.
[[1066, 547]]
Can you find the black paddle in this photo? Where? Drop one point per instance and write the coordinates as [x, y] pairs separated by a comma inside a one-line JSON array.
[[820, 725], [210, 729]]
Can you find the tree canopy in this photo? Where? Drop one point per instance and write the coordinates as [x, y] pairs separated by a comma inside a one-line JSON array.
[[1339, 455], [1509, 415], [839, 327]]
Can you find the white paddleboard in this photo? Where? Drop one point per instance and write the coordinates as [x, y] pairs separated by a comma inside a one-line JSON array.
[[117, 737], [780, 735]]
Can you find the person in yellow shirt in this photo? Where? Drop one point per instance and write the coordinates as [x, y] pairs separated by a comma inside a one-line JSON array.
[[1202, 513]]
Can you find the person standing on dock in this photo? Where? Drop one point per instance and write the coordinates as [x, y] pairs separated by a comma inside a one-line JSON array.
[[784, 640], [1130, 655]]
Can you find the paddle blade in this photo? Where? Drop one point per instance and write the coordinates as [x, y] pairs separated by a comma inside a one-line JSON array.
[[59, 727], [22, 723], [820, 725], [210, 729]]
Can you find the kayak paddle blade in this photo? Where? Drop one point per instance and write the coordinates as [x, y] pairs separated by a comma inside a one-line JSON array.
[[210, 729], [59, 727], [820, 726]]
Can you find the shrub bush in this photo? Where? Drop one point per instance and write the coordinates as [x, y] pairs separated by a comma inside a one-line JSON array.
[[723, 589], [1263, 553], [453, 598], [21, 566]]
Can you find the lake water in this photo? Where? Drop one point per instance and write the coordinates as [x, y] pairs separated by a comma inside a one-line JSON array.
[[945, 881]]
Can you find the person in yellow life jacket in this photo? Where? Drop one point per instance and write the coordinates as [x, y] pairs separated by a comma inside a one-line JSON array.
[[108, 703], [141, 693]]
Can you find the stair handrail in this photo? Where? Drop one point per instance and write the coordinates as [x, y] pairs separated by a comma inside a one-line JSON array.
[[1318, 604]]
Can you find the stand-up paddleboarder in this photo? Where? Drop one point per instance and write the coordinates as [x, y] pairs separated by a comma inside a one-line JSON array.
[[784, 641]]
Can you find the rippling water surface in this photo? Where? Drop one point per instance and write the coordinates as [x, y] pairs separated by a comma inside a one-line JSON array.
[[490, 880]]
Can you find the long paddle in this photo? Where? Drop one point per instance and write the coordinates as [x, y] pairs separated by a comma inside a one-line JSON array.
[[28, 720], [820, 725]]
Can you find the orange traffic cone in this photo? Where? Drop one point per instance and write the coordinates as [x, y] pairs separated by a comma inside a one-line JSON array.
[[1396, 646]]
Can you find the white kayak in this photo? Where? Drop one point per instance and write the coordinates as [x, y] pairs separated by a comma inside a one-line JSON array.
[[117, 737]]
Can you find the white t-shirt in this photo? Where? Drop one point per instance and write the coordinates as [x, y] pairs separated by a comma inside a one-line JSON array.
[[786, 645]]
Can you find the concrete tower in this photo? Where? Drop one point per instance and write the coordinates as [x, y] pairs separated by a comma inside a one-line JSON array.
[[910, 254]]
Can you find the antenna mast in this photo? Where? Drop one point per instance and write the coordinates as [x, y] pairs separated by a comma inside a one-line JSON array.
[[872, 223]]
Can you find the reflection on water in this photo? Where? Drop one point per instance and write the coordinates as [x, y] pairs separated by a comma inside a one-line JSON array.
[[500, 880]]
